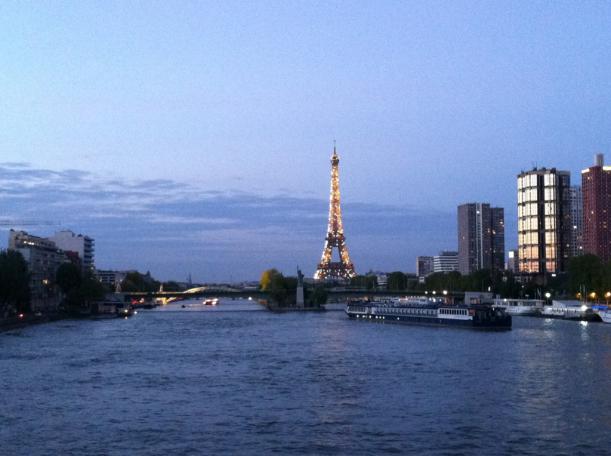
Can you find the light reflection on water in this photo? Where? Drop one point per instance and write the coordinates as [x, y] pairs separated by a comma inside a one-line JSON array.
[[237, 379]]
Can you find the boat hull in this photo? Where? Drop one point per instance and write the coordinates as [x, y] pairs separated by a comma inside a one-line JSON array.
[[498, 324]]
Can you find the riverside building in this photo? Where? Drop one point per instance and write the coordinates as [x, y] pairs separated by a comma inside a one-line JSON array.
[[424, 266], [596, 188], [43, 259], [446, 261], [481, 237], [82, 245], [544, 221]]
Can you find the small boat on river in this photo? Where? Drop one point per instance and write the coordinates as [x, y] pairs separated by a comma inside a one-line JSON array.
[[211, 301]]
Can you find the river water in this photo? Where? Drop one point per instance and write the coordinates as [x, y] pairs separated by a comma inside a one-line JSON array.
[[239, 380]]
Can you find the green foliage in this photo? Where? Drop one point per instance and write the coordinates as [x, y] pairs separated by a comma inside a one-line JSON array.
[[280, 289], [367, 282], [79, 290], [397, 281], [68, 277], [14, 283], [317, 296], [266, 279], [171, 286], [588, 273], [498, 282], [134, 281]]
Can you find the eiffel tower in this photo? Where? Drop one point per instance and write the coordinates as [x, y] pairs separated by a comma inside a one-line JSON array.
[[327, 269]]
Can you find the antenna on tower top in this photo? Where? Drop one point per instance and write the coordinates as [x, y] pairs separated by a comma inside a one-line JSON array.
[[334, 146]]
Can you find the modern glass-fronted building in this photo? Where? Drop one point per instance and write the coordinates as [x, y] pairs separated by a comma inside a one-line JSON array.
[[544, 220]]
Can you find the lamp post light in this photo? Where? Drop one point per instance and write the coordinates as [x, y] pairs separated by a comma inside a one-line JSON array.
[[593, 295], [607, 296], [547, 296]]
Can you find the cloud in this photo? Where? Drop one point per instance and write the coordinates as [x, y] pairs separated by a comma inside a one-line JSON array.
[[174, 228]]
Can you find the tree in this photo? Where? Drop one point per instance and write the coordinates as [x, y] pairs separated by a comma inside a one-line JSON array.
[[134, 281], [68, 277], [317, 296], [396, 281], [368, 282], [586, 273], [14, 283], [266, 279]]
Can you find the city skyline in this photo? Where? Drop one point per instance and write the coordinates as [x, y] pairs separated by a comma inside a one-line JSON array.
[[168, 139]]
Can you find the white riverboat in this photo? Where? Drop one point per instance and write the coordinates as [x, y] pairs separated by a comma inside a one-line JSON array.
[[569, 310], [520, 306], [605, 315]]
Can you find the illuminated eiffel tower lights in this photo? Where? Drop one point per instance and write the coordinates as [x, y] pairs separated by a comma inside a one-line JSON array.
[[328, 269]]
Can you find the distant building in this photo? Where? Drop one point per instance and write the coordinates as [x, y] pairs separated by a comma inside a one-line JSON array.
[[596, 187], [576, 204], [43, 259], [512, 261], [381, 279], [424, 266], [543, 220], [82, 245], [445, 262], [481, 237], [111, 278]]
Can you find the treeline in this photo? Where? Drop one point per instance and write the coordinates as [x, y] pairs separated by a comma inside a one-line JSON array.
[[283, 290], [590, 275], [14, 284], [79, 289]]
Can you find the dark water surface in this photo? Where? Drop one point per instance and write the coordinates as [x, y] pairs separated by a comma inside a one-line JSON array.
[[237, 380]]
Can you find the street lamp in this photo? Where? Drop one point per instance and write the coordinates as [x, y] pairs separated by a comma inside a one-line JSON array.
[[607, 296], [445, 292]]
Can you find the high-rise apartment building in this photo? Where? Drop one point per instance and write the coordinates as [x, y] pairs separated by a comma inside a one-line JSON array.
[[481, 237], [445, 262], [596, 188], [576, 203], [544, 220]]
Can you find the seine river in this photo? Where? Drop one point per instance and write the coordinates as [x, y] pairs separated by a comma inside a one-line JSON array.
[[238, 380]]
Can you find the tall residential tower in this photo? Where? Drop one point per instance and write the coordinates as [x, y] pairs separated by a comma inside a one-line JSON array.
[[481, 237], [596, 188], [544, 220]]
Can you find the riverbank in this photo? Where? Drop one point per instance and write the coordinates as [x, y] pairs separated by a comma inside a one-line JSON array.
[[23, 320]]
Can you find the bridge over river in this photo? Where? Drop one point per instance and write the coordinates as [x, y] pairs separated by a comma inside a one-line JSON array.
[[334, 294]]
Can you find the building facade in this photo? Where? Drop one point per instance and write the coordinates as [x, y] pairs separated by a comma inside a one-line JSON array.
[[43, 259], [424, 266], [512, 261], [481, 237], [544, 221], [84, 246], [111, 279], [576, 203], [596, 188], [445, 262]]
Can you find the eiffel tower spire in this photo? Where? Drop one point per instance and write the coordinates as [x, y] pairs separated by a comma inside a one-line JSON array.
[[328, 269]]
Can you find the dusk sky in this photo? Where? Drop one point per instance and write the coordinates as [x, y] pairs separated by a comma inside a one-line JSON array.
[[194, 137]]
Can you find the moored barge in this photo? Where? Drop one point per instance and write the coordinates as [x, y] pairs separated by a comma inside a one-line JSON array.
[[425, 313]]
